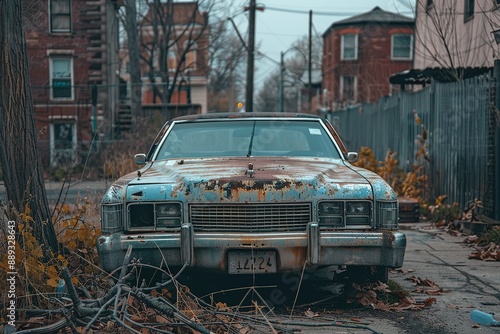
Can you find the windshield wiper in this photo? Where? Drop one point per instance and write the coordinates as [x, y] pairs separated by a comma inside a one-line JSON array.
[[251, 140]]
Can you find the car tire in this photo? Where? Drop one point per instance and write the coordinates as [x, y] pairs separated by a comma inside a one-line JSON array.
[[368, 274]]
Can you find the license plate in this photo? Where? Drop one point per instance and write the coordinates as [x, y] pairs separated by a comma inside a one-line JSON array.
[[248, 262]]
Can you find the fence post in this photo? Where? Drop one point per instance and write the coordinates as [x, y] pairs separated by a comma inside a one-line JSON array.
[[496, 184]]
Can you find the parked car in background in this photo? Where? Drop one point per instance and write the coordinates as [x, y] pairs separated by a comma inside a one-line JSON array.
[[251, 193]]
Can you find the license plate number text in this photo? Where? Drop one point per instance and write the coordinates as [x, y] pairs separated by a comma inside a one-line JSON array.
[[247, 262]]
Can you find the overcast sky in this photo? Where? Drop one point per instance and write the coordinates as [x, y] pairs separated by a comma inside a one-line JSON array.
[[285, 21]]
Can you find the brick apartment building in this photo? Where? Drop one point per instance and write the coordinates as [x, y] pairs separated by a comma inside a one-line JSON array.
[[71, 47], [361, 53]]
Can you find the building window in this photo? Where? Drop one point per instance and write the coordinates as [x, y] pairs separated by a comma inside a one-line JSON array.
[[469, 9], [348, 88], [63, 142], [402, 47], [60, 15], [349, 47], [61, 78], [172, 59], [429, 5], [190, 55]]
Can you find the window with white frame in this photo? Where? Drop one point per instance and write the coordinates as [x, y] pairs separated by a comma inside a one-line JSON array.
[[402, 47], [348, 87], [61, 78], [155, 53], [172, 59], [60, 15], [349, 47], [63, 141], [468, 9]]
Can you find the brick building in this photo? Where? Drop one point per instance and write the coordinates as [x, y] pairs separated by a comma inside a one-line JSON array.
[[361, 53], [71, 47]]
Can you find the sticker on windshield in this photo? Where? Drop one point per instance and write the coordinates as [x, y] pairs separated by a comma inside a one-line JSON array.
[[315, 132]]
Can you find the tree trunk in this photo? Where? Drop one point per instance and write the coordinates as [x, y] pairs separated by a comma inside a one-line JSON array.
[[19, 156]]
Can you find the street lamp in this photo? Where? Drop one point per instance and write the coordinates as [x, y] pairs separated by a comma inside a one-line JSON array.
[[282, 76]]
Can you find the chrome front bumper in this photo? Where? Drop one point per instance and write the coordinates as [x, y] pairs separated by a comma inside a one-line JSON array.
[[208, 251]]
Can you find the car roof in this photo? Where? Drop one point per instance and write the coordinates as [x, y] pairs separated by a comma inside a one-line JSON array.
[[244, 115]]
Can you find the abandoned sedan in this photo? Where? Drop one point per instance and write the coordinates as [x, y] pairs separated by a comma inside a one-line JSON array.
[[251, 193]]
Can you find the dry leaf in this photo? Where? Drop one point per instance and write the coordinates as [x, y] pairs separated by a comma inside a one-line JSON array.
[[52, 282], [429, 301], [161, 319], [245, 330], [310, 314]]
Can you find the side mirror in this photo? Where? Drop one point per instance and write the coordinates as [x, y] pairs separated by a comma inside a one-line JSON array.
[[352, 157], [140, 159]]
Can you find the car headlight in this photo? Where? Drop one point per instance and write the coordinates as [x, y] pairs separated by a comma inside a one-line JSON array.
[[331, 214], [154, 216], [387, 214], [168, 215], [141, 216], [358, 213], [342, 214], [111, 218]]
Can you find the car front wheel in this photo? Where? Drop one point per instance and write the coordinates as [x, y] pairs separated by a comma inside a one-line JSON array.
[[368, 274]]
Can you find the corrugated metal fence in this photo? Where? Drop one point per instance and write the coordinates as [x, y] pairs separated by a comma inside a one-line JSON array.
[[460, 124]]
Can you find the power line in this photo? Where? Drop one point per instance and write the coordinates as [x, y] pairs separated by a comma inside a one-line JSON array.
[[301, 11], [326, 13]]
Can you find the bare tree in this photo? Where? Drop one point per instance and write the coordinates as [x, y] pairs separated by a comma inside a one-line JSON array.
[[130, 24], [295, 63], [226, 63], [169, 35], [22, 171], [267, 97]]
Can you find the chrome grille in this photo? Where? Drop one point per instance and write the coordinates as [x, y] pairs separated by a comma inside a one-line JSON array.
[[250, 217]]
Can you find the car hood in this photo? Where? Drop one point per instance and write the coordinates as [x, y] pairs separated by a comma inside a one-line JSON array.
[[250, 180]]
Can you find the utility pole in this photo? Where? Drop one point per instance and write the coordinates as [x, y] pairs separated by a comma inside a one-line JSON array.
[[250, 58], [231, 93], [309, 89], [282, 83], [135, 60], [496, 195]]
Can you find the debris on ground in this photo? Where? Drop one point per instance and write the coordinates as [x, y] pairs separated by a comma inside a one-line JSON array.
[[490, 252], [426, 286], [123, 308], [381, 296], [451, 218], [487, 246]]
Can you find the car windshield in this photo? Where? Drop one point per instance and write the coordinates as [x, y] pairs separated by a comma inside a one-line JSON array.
[[244, 138]]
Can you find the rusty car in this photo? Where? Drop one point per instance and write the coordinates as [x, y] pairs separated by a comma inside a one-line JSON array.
[[251, 193]]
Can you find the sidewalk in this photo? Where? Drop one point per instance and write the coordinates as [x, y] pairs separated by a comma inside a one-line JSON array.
[[466, 284]]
